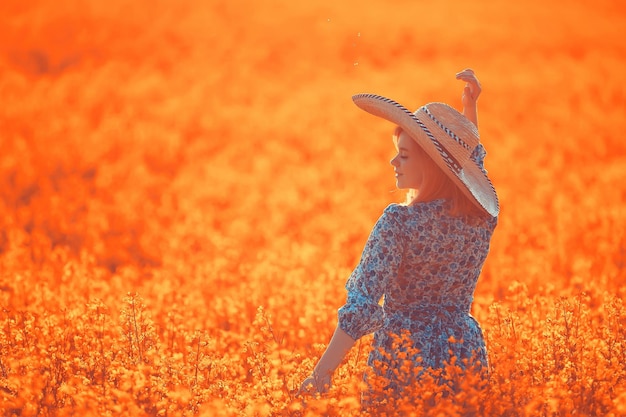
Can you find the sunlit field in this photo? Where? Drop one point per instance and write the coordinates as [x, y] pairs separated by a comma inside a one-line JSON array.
[[186, 186]]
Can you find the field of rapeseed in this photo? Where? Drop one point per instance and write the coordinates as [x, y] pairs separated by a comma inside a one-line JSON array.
[[185, 186]]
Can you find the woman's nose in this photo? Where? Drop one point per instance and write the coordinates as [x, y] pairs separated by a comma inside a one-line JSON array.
[[394, 161]]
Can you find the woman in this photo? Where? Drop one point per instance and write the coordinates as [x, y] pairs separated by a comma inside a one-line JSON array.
[[423, 257]]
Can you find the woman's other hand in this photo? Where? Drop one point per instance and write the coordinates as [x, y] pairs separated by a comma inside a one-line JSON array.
[[470, 94], [472, 86], [315, 384]]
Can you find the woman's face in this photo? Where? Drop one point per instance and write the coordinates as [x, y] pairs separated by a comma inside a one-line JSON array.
[[407, 163]]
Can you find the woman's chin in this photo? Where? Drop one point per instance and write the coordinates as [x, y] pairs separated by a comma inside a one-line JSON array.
[[400, 185]]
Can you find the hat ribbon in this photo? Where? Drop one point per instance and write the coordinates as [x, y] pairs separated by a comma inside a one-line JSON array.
[[450, 160]]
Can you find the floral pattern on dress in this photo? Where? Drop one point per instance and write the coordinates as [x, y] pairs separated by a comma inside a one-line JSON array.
[[425, 263]]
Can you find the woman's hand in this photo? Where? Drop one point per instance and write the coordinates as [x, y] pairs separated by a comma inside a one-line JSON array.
[[320, 381], [470, 94], [472, 87], [315, 384]]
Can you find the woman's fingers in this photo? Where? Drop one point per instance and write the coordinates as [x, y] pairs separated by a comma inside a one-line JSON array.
[[469, 78], [307, 386], [312, 386], [467, 75], [472, 86], [465, 72]]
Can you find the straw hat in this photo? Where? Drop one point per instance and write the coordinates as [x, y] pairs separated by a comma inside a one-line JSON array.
[[447, 136]]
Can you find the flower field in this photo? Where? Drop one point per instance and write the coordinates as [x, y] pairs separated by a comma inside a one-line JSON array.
[[185, 187]]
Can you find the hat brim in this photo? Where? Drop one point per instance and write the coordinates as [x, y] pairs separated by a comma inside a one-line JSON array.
[[470, 179]]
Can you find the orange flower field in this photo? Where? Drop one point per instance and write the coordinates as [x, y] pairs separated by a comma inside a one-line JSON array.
[[187, 185]]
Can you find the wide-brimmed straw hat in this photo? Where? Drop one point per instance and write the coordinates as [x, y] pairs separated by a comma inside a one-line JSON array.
[[448, 137]]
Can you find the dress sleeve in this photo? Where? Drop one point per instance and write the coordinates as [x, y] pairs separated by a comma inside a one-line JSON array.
[[478, 156], [368, 282]]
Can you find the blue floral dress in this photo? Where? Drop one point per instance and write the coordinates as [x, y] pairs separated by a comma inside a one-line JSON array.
[[425, 263]]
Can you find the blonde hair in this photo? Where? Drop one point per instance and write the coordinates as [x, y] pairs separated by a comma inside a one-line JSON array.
[[436, 185]]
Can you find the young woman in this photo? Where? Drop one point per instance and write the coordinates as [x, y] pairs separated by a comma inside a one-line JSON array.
[[424, 257]]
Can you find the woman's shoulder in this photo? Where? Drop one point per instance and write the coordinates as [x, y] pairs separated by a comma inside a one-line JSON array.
[[438, 210], [395, 209], [426, 208], [403, 211], [394, 214]]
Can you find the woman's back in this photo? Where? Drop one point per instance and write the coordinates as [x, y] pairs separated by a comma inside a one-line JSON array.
[[429, 295], [441, 260]]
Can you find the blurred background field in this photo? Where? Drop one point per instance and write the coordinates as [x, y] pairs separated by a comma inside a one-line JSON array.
[[186, 186]]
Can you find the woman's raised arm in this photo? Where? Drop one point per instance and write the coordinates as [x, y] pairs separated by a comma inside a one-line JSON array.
[[470, 94]]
